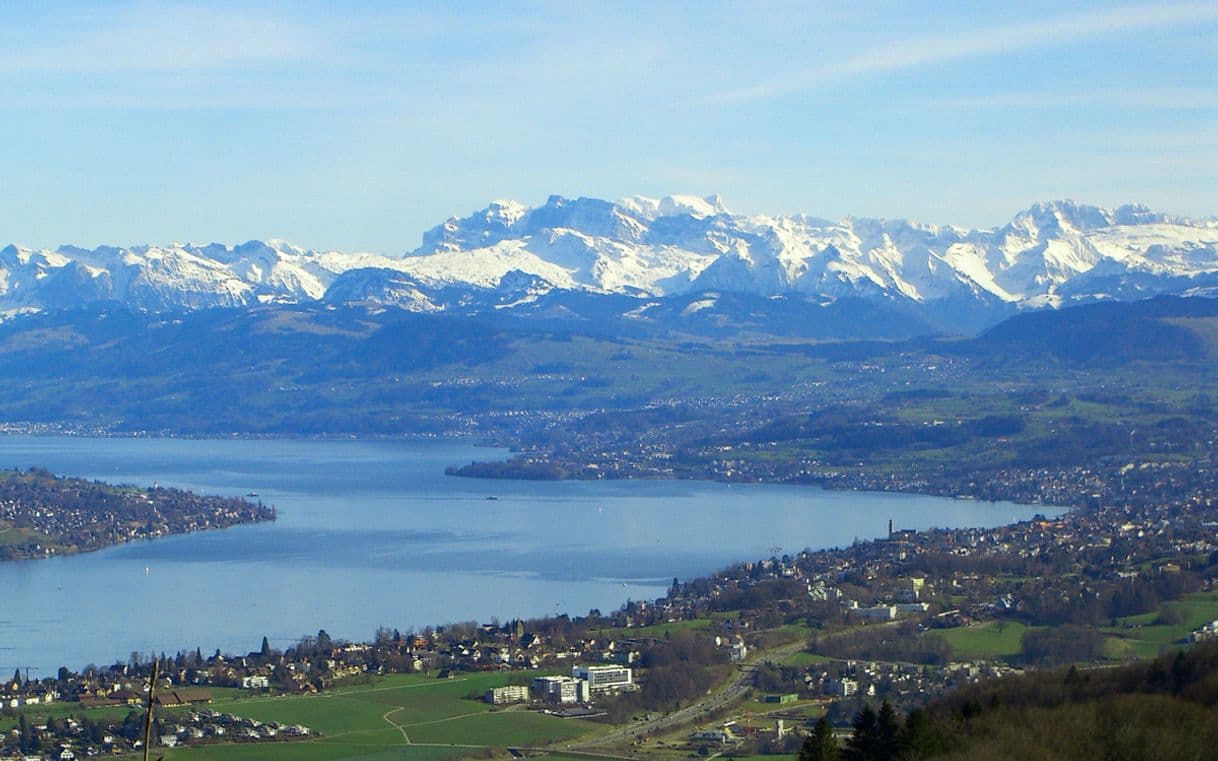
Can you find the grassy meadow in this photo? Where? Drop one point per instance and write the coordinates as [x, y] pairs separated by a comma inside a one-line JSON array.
[[405, 716]]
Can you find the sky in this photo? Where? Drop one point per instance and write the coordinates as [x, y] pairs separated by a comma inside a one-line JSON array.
[[357, 126]]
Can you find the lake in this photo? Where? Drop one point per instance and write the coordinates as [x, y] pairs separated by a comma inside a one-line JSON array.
[[373, 533]]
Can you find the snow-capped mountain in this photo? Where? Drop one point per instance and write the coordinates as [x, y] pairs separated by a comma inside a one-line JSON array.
[[1050, 254], [510, 256], [174, 277]]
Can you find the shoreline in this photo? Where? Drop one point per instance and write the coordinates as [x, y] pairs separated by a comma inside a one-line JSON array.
[[870, 524], [826, 482]]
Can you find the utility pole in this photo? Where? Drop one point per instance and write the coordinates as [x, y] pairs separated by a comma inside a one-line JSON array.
[[156, 671]]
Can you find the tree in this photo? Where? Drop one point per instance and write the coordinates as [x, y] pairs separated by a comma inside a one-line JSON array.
[[29, 739], [863, 743], [821, 745], [918, 738], [888, 733]]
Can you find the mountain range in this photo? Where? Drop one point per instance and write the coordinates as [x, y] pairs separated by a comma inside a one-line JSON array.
[[683, 259]]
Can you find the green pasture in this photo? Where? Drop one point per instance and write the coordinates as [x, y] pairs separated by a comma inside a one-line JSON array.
[[794, 630], [395, 717], [313, 751], [591, 756], [12, 535], [804, 658], [994, 639], [1141, 637], [763, 713], [409, 717], [40, 713]]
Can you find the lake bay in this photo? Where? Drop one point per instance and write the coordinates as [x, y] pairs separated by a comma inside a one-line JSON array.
[[373, 533]]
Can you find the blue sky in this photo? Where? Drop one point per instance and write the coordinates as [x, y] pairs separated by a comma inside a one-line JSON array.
[[358, 125]]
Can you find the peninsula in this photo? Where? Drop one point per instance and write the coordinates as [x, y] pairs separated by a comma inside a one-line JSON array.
[[42, 515]]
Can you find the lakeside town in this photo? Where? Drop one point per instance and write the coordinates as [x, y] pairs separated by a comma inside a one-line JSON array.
[[42, 515], [1123, 575]]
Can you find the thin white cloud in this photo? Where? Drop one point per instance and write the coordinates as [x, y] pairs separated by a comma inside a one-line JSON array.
[[145, 38], [1189, 141], [975, 43], [1153, 98]]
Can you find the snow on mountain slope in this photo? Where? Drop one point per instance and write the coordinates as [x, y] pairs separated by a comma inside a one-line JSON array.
[[172, 277], [379, 285], [508, 254]]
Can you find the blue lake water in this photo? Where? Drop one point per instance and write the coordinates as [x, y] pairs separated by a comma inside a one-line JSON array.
[[373, 533]]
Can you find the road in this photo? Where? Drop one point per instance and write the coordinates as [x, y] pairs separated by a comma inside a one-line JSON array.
[[730, 693]]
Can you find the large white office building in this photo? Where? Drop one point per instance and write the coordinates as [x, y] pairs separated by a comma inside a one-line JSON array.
[[604, 678]]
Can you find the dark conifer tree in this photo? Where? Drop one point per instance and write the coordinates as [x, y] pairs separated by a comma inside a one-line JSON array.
[[863, 744], [23, 734], [821, 745], [918, 738], [888, 734]]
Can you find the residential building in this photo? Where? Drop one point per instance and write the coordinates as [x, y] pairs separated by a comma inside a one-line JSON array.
[[513, 693]]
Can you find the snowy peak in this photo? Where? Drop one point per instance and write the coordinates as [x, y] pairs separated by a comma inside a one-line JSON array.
[[671, 206], [482, 228], [627, 220], [508, 254], [1063, 216], [371, 285], [173, 277]]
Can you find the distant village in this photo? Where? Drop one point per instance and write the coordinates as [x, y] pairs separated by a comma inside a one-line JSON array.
[[42, 515], [873, 613]]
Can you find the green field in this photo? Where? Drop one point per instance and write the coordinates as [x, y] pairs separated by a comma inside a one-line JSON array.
[[315, 751], [588, 755], [1142, 637], [41, 713], [760, 711], [411, 717], [804, 658], [994, 639], [11, 535], [1134, 637]]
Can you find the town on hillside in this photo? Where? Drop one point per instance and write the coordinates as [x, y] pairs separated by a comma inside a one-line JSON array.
[[43, 515], [900, 619]]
